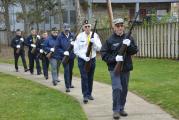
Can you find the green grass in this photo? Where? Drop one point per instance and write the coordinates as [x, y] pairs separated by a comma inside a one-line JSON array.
[[22, 99], [156, 80]]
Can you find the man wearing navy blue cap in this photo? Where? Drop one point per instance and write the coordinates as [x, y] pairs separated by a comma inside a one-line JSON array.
[[51, 46], [64, 41]]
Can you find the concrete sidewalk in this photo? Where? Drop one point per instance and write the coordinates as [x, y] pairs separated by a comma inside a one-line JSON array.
[[101, 107]]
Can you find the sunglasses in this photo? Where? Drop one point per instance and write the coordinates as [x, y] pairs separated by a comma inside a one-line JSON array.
[[87, 26]]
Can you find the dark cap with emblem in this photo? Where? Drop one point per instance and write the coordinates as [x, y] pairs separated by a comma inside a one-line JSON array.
[[86, 22], [54, 29]]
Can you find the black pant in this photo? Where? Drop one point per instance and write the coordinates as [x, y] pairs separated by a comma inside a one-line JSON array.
[[71, 65], [16, 57], [32, 58], [45, 65]]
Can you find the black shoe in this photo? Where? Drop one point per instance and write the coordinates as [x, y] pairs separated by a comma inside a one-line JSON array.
[[46, 77], [54, 83], [17, 70], [58, 80], [39, 73], [67, 90], [26, 70], [116, 115], [123, 113], [72, 86], [91, 98], [85, 100]]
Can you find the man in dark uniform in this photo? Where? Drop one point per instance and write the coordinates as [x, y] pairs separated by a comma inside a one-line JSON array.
[[80, 48], [18, 44], [64, 41], [50, 46], [32, 52], [42, 54], [109, 53]]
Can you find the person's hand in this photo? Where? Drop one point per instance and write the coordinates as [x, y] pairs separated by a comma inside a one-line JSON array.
[[72, 42], [126, 42], [38, 36], [119, 58], [87, 59], [41, 51], [92, 40], [33, 45], [52, 49], [22, 39], [18, 46], [66, 53]]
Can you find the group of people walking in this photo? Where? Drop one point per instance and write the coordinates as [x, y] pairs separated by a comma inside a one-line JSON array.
[[52, 48]]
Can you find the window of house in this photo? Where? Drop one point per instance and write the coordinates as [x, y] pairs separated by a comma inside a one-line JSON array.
[[72, 17], [65, 16]]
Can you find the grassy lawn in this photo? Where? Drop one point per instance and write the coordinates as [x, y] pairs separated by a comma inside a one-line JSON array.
[[157, 80], [22, 99]]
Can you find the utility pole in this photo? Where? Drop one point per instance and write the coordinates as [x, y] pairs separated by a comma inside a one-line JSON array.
[[78, 14], [90, 10], [110, 12]]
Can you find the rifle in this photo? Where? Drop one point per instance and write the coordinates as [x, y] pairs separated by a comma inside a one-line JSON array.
[[65, 59], [18, 49], [49, 55], [89, 49], [123, 49], [34, 48]]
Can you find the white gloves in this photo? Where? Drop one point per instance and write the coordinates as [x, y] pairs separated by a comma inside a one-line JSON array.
[[92, 40], [38, 36], [18, 46], [41, 51], [87, 59], [119, 58], [33, 45], [22, 39], [52, 49], [126, 42], [72, 42], [66, 53]]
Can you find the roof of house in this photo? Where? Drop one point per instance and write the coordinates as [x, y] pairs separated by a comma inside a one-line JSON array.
[[133, 1]]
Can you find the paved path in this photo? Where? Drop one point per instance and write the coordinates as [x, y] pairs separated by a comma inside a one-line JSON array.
[[101, 107]]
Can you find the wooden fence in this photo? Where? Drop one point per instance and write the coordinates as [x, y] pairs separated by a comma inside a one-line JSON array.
[[158, 41], [154, 41]]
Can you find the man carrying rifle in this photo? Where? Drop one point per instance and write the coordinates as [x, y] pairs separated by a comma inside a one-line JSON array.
[[32, 52], [18, 44], [80, 49], [109, 53], [64, 42], [50, 46], [42, 54]]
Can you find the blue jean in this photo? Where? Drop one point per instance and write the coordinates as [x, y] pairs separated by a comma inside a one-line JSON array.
[[119, 90], [86, 77], [55, 64]]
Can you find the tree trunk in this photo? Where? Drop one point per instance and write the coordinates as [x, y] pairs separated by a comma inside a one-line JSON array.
[[78, 14], [26, 23], [7, 22]]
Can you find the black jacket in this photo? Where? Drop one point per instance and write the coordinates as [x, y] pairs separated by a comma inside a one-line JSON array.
[[16, 41], [110, 49]]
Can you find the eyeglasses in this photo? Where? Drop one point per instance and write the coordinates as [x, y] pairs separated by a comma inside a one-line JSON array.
[[87, 26], [119, 25]]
